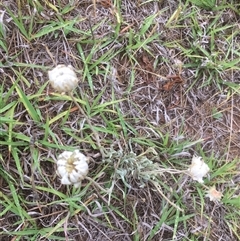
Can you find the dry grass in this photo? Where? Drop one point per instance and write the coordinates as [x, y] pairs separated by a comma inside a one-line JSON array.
[[159, 82]]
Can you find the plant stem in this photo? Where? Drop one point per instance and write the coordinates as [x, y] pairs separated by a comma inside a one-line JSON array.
[[90, 125]]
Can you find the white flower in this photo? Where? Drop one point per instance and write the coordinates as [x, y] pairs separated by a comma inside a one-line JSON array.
[[63, 78], [214, 195], [198, 169], [72, 167]]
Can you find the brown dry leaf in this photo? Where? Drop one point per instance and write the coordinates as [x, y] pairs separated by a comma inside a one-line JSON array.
[[174, 79], [168, 86], [125, 29], [147, 67], [105, 3]]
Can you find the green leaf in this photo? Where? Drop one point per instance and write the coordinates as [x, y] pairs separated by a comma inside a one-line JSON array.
[[29, 107], [18, 22], [49, 29], [206, 4], [147, 23]]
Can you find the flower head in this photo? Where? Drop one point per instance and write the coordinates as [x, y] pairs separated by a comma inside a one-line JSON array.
[[198, 169], [214, 195], [72, 167], [63, 78]]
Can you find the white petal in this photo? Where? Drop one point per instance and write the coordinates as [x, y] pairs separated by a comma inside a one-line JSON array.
[[61, 162], [199, 179], [68, 70], [64, 83], [65, 180], [65, 155], [79, 162], [77, 184], [196, 160], [62, 171], [79, 155], [198, 169], [82, 168], [74, 176], [59, 70]]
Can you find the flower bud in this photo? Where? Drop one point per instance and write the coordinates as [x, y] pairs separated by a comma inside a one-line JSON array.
[[63, 78], [198, 169], [214, 195], [72, 167]]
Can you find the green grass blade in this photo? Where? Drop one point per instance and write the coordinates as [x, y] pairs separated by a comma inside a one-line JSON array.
[[29, 107]]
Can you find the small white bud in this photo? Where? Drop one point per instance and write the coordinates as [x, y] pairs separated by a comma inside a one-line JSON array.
[[72, 167], [63, 78], [198, 169]]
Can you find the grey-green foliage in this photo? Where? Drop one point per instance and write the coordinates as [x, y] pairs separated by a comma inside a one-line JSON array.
[[129, 165]]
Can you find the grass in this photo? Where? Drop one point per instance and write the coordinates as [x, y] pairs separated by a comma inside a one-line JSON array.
[[159, 83]]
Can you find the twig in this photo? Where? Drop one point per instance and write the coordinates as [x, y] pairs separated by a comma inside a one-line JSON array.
[[165, 197], [96, 184]]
